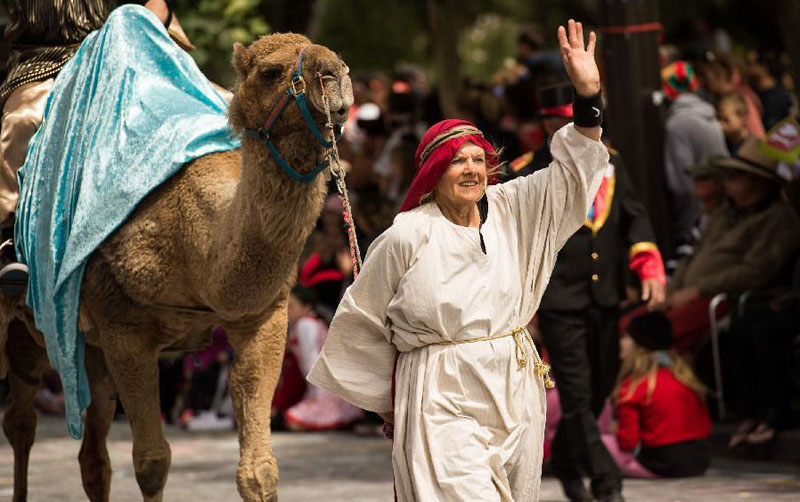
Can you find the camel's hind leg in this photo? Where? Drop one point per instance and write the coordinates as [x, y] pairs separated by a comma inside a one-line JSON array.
[[27, 361], [133, 363], [254, 375], [93, 457]]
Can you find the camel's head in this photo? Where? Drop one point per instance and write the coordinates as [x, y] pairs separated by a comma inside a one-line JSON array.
[[264, 72]]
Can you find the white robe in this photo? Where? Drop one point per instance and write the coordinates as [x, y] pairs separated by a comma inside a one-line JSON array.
[[469, 423]]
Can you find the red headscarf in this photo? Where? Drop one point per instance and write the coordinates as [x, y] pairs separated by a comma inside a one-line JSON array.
[[437, 148]]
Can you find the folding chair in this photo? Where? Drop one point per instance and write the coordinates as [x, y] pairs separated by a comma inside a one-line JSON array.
[[719, 324]]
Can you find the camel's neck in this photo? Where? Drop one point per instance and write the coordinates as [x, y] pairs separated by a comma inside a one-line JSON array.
[[267, 224]]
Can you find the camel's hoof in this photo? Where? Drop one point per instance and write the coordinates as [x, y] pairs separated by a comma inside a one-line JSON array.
[[151, 474], [258, 484]]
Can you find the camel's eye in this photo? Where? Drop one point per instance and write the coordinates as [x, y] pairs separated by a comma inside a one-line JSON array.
[[272, 73]]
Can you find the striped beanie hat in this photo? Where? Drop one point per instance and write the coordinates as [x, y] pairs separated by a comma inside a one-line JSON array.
[[677, 78]]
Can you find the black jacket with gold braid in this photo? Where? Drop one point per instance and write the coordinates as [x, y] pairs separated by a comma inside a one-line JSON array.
[[592, 267]]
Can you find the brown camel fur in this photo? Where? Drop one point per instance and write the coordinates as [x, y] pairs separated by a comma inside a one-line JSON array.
[[220, 241]]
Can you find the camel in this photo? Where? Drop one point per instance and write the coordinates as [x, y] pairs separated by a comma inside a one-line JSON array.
[[216, 245]]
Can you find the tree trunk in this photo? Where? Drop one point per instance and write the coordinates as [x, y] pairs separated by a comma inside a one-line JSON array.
[[633, 120], [444, 34]]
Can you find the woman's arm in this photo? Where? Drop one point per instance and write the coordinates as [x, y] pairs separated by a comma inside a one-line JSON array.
[[581, 68], [357, 360], [550, 205]]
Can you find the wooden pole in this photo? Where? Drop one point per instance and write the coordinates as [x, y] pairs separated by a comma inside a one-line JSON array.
[[630, 37]]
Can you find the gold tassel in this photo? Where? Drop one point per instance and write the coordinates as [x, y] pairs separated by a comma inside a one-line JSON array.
[[519, 348]]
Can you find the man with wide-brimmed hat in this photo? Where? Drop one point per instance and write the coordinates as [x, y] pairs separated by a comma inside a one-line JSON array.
[[744, 247]]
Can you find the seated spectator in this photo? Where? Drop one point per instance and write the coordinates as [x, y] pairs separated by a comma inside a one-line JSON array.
[[318, 409], [764, 333], [764, 73], [663, 422], [692, 135], [708, 190], [721, 75], [732, 114], [744, 247]]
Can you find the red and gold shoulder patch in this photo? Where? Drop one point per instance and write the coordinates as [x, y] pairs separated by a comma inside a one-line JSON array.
[[521, 161]]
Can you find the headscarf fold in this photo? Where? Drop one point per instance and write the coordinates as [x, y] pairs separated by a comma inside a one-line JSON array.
[[438, 146]]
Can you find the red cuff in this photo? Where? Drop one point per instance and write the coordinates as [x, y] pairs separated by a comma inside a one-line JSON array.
[[645, 260]]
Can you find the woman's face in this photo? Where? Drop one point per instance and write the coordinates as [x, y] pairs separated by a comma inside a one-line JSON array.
[[465, 180]]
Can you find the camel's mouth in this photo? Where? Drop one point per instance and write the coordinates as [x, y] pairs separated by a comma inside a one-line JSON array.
[[339, 117]]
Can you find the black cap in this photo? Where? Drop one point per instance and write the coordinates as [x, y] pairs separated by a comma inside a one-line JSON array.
[[652, 331], [553, 95]]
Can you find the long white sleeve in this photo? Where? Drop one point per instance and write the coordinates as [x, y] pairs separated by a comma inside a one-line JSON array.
[[551, 204], [357, 360]]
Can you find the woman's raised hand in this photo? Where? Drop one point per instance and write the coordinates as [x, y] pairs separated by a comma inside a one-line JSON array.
[[579, 62]]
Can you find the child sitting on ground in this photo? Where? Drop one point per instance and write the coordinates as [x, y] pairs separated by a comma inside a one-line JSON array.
[[663, 422]]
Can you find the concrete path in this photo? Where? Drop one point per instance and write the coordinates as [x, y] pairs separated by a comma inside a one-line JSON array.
[[339, 467]]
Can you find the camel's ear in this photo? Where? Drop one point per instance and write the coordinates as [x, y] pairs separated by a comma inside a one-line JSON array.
[[241, 59]]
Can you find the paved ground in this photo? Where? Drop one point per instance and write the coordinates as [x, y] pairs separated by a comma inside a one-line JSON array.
[[336, 468]]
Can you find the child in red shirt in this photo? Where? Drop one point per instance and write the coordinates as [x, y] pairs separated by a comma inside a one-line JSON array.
[[663, 422]]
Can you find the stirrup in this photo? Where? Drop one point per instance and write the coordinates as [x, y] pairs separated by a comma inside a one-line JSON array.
[[14, 279]]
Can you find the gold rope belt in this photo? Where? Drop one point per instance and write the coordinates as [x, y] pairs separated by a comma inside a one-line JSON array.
[[520, 334]]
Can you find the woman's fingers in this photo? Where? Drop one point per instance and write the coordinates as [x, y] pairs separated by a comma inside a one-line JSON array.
[[573, 36], [592, 41], [562, 38]]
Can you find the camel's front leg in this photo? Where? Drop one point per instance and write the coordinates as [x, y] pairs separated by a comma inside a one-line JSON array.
[[255, 372], [132, 361]]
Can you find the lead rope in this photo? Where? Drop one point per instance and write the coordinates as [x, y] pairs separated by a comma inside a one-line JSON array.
[[338, 175]]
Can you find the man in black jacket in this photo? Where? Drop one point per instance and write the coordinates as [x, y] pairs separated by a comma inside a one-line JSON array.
[[579, 311]]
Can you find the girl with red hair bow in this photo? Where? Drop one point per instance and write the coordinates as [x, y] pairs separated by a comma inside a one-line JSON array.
[[431, 335]]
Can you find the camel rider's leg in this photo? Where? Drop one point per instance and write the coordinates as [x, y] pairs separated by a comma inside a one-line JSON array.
[[22, 115]]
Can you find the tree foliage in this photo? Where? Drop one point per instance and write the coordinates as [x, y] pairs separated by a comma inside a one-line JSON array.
[[213, 26]]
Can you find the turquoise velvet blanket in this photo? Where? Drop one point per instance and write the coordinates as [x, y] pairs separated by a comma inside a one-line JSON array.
[[127, 111]]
